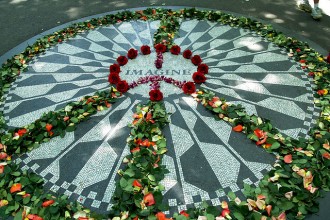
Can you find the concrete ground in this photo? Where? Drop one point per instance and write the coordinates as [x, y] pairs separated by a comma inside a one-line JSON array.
[[21, 20]]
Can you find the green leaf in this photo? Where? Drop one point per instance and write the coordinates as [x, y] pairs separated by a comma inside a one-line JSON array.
[[238, 215], [74, 120], [123, 182]]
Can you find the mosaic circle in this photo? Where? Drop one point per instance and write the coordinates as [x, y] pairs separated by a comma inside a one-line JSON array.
[[208, 159]]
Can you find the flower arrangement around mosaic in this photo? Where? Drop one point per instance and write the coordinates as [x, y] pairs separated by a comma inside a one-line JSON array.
[[288, 191]]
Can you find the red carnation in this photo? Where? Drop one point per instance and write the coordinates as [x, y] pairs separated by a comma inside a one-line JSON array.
[[114, 78], [122, 60], [187, 54], [199, 77], [203, 68], [175, 50], [114, 68], [132, 53], [155, 95], [122, 86], [145, 50], [189, 88], [160, 48], [196, 60]]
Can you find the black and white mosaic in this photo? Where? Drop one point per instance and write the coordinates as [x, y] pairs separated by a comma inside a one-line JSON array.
[[206, 159]]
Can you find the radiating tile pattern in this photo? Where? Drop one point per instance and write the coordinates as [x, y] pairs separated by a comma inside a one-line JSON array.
[[206, 159]]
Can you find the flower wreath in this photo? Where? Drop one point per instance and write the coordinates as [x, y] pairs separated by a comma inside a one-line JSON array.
[[155, 93]]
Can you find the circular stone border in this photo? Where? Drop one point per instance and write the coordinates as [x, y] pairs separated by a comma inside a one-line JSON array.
[[308, 58]]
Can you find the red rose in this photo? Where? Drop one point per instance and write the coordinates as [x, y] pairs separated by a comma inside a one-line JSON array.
[[203, 68], [114, 68], [187, 54], [132, 53], [196, 60], [175, 50], [122, 60], [122, 86], [189, 88], [155, 95], [145, 50], [199, 77], [160, 48], [114, 78], [328, 58]]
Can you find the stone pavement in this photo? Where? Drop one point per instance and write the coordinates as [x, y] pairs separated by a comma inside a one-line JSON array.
[[80, 67]]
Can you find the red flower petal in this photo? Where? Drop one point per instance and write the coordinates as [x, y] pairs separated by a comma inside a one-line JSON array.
[[136, 183], [225, 212], [184, 213], [238, 128], [259, 133], [288, 158], [326, 155], [47, 203], [49, 127], [21, 132], [16, 187], [149, 199], [3, 155], [34, 217]]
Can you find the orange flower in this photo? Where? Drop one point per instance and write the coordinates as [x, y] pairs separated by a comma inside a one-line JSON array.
[[282, 216], [149, 199], [326, 155], [47, 203], [3, 155], [49, 127], [16, 187], [136, 183], [3, 203], [145, 143], [21, 132], [238, 128], [162, 216], [262, 136], [34, 217], [269, 209], [288, 158], [137, 149], [225, 212], [2, 168]]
